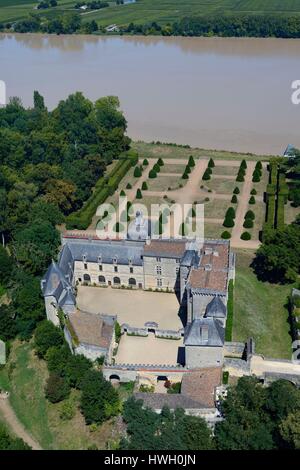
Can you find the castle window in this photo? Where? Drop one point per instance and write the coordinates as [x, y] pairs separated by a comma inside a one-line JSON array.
[[100, 267], [85, 266], [116, 269], [158, 260], [159, 282], [177, 269], [158, 269], [131, 270], [177, 261], [115, 260]]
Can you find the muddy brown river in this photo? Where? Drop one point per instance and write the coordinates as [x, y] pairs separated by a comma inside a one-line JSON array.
[[232, 94]]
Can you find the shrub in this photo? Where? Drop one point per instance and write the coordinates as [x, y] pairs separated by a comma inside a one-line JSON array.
[[250, 215], [234, 199], [139, 194], [252, 200], [226, 235], [236, 190], [46, 335], [206, 175], [137, 172], [243, 164], [185, 176], [258, 166], [144, 186], [191, 161], [67, 411], [246, 236], [253, 192], [57, 388], [156, 168], [187, 169], [128, 186], [256, 176], [122, 193], [240, 177], [230, 213], [248, 223], [211, 163], [145, 162], [160, 162], [152, 174], [228, 222]]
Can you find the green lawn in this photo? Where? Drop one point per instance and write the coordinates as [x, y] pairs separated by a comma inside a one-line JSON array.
[[162, 11], [150, 150], [259, 311]]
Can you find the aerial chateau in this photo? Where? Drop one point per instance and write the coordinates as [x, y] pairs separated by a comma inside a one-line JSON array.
[[195, 274]]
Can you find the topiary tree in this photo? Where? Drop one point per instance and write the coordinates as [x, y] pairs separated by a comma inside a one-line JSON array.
[[243, 164], [253, 192], [160, 162], [139, 194], [256, 176], [185, 176], [252, 200], [206, 175], [187, 169], [230, 213], [156, 168], [250, 215], [122, 193], [152, 174], [128, 186], [240, 177], [248, 223], [226, 235], [145, 162], [137, 172], [191, 161], [118, 227], [258, 166], [234, 199], [228, 222], [246, 236], [144, 186], [211, 163], [236, 190]]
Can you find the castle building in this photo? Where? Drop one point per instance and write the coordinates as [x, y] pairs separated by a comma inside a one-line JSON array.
[[197, 273]]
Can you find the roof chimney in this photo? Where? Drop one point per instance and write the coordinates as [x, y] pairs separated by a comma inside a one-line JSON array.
[[204, 332]]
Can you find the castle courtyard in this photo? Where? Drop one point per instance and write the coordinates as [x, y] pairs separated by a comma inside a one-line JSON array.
[[149, 350], [134, 307]]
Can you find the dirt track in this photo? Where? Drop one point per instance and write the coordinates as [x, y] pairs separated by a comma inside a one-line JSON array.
[[15, 425]]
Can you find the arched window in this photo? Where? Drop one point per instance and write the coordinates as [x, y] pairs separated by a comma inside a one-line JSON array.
[[101, 279], [86, 278], [117, 280], [132, 281]]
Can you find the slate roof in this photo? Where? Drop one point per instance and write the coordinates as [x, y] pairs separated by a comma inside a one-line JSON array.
[[52, 280], [108, 250], [204, 332], [216, 308], [156, 401]]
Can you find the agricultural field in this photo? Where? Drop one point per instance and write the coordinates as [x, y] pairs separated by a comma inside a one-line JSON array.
[[142, 11], [217, 193]]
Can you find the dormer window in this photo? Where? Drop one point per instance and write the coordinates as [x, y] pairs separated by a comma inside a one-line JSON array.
[[115, 260], [130, 261], [99, 259], [207, 267]]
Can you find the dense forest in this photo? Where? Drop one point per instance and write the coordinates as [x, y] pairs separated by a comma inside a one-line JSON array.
[[49, 163]]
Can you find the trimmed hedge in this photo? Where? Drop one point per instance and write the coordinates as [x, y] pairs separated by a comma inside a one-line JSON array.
[[226, 235], [236, 190], [191, 161], [248, 223], [252, 200], [104, 187], [228, 222], [144, 186], [234, 199], [152, 174], [250, 215], [211, 163], [206, 175], [230, 312], [246, 236]]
